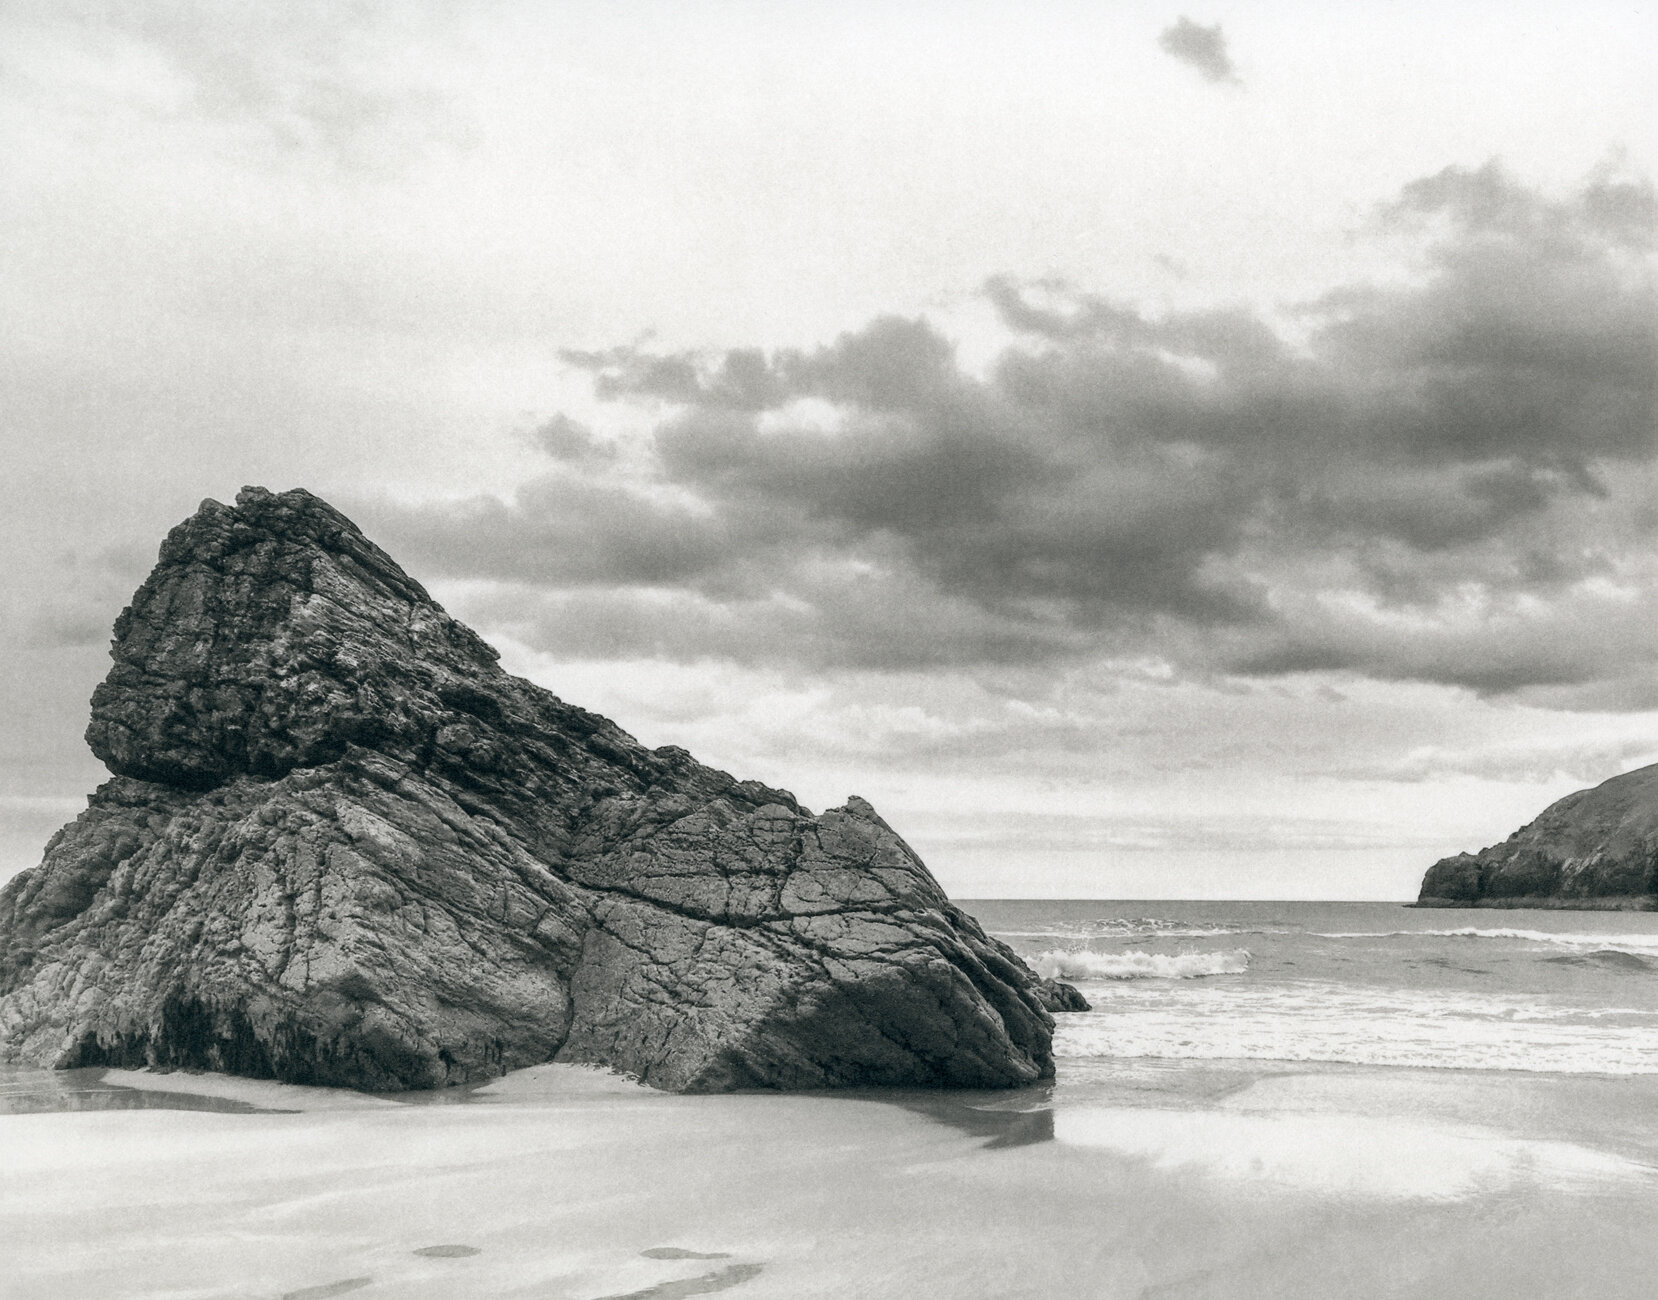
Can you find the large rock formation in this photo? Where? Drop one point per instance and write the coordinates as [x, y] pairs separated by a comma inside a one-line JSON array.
[[1594, 849], [342, 846]]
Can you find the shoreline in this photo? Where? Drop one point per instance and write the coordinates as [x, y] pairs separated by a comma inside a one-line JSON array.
[[1544, 903]]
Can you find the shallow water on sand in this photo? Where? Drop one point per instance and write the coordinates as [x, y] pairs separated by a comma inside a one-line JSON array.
[[1166, 1169]]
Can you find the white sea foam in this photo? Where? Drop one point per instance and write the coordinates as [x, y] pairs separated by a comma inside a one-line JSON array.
[[1080, 964], [1326, 1021], [1637, 944]]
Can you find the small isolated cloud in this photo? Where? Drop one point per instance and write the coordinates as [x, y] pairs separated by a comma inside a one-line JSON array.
[[1202, 47]]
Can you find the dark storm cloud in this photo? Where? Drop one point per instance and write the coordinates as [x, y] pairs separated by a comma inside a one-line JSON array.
[[1508, 650], [987, 494], [1423, 484], [1204, 48]]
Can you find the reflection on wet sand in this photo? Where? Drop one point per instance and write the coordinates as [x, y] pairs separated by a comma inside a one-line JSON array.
[[1008, 1119]]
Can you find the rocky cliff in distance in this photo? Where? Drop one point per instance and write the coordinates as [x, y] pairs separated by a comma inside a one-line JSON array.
[[342, 846], [1595, 849]]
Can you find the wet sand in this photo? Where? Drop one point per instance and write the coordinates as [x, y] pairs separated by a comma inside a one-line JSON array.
[[1167, 1180]]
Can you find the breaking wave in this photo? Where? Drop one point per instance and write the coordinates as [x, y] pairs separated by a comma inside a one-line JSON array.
[[1129, 927], [1636, 944], [1080, 964]]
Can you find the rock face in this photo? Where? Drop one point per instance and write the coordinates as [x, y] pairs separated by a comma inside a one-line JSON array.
[[1057, 996], [1594, 849], [342, 846]]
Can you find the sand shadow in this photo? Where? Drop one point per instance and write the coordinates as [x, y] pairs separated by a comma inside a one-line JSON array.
[[726, 1278], [679, 1252], [327, 1289], [455, 1251]]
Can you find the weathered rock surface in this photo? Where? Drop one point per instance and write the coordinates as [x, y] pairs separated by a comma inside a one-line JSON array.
[[1594, 849], [342, 846]]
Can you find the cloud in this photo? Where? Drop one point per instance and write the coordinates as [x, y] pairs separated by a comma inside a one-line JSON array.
[[1448, 479], [1486, 643], [1204, 48], [337, 82], [571, 441], [1584, 763]]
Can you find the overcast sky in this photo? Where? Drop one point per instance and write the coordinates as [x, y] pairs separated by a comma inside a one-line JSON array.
[[1147, 452]]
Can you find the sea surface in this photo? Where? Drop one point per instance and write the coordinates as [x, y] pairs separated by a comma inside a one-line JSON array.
[[1353, 983]]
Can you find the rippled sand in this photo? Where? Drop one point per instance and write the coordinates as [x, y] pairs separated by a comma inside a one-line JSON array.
[[1165, 1180]]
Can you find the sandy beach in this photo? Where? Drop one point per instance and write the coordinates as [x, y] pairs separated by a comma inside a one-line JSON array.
[[1170, 1180]]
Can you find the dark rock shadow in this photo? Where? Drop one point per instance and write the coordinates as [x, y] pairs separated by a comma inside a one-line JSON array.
[[1016, 1118], [726, 1278]]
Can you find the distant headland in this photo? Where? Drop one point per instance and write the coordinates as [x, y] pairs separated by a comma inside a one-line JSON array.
[[1595, 850]]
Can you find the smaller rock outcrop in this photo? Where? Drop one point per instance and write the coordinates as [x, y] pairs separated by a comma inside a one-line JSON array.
[[1596, 849], [1057, 996]]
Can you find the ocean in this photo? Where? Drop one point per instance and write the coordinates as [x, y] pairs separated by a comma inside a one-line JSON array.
[[1269, 1101], [1355, 983]]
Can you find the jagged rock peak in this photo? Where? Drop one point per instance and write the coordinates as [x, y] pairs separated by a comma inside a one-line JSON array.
[[270, 636], [343, 846], [1595, 848]]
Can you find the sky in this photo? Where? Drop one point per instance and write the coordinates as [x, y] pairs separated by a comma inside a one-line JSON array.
[[1148, 452]]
